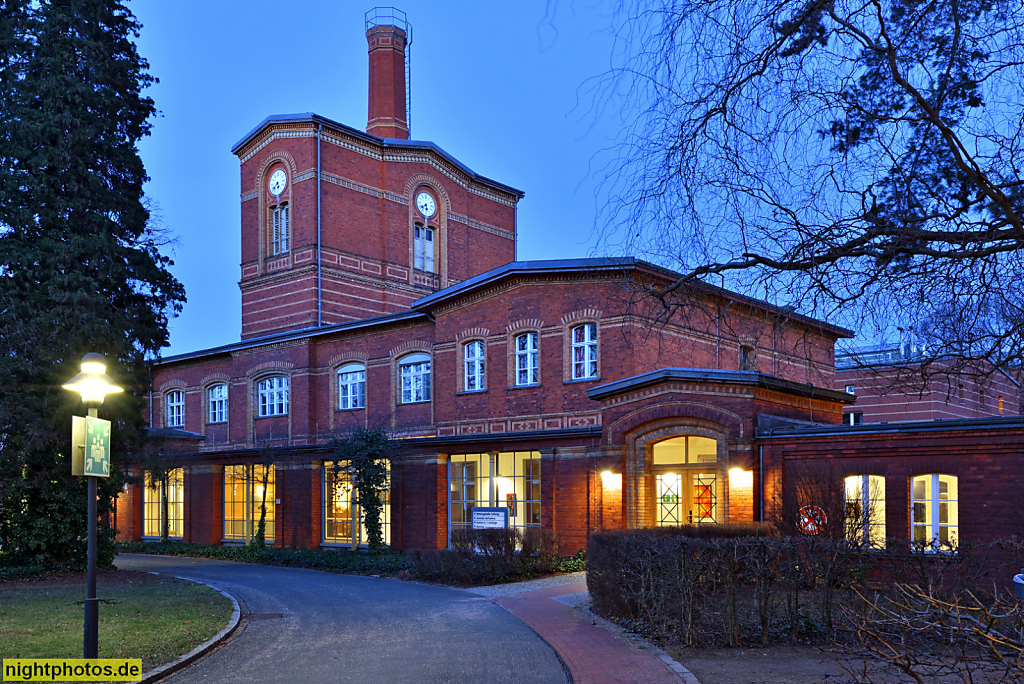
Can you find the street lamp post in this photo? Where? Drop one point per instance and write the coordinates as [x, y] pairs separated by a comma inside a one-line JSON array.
[[93, 384]]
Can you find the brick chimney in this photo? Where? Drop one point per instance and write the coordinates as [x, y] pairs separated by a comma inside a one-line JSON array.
[[387, 36]]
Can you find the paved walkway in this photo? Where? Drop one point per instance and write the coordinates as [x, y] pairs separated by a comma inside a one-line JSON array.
[[316, 627], [593, 654]]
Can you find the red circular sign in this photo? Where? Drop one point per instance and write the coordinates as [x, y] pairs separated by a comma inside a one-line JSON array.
[[812, 520]]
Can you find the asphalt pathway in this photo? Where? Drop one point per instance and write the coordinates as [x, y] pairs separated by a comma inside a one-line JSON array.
[[308, 626]]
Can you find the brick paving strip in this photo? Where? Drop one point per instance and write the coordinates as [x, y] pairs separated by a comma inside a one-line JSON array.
[[588, 645]]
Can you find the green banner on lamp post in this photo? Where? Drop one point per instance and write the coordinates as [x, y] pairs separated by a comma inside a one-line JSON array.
[[90, 438]]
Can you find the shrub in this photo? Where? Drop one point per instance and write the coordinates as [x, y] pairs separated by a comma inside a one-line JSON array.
[[490, 556]]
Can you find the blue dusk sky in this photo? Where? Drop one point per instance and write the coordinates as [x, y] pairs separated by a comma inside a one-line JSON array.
[[497, 85]]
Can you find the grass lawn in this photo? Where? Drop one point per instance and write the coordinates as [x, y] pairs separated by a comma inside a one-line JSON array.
[[146, 616]]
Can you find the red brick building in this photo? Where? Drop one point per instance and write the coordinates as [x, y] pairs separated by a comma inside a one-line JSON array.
[[380, 289], [892, 384]]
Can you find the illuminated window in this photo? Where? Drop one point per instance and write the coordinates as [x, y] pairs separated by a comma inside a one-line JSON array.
[[175, 408], [342, 512], [423, 248], [865, 510], [414, 377], [352, 386], [272, 394], [248, 489], [153, 501], [505, 480], [217, 401], [280, 234], [686, 480], [935, 515], [584, 351], [1000, 404], [527, 359], [474, 355]]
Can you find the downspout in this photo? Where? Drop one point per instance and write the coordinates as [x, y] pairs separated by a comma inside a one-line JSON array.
[[319, 282], [760, 481], [149, 363]]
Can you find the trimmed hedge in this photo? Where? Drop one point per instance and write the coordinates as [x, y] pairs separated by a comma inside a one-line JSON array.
[[334, 560], [731, 584]]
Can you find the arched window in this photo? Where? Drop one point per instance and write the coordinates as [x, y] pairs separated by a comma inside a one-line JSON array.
[[175, 409], [474, 354], [280, 238], [272, 396], [527, 359], [935, 514], [584, 351], [217, 403], [352, 386], [414, 378]]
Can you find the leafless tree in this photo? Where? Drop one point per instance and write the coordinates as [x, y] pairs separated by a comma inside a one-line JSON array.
[[858, 159]]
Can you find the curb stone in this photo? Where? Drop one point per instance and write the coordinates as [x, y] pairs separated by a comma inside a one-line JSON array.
[[203, 648]]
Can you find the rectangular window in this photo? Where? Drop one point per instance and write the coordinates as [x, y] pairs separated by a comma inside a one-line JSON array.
[[175, 408], [342, 512], [281, 230], [687, 497], [850, 389], [414, 375], [855, 418], [475, 363], [748, 358], [584, 351], [352, 387], [865, 510], [217, 400], [247, 489], [423, 249], [527, 359], [273, 396], [153, 504], [506, 479], [934, 512]]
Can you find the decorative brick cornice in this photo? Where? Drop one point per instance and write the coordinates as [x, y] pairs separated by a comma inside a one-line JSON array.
[[274, 133], [480, 225]]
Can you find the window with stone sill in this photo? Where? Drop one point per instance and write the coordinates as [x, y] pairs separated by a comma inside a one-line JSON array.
[[414, 379], [527, 350], [934, 512], [584, 351], [474, 366], [175, 409], [217, 403], [352, 386], [272, 396]]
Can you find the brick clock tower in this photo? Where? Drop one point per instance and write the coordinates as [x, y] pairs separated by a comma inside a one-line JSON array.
[[340, 224]]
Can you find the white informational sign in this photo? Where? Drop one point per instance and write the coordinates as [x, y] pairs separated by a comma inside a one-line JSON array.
[[486, 518]]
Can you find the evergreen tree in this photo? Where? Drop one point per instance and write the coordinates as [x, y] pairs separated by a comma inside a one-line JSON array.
[[80, 266]]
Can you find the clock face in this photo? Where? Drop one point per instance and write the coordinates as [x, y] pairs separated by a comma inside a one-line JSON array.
[[425, 203], [278, 180]]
